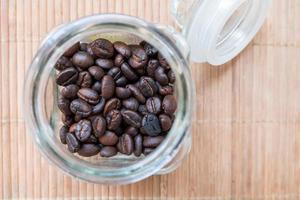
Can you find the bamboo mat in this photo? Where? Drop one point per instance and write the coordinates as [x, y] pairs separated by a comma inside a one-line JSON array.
[[246, 137]]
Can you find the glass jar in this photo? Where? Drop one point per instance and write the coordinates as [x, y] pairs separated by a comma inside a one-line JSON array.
[[205, 38]]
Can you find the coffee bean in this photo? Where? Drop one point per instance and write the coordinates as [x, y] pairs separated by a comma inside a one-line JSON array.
[[88, 95], [97, 87], [160, 76], [63, 63], [165, 90], [67, 76], [91, 140], [130, 104], [109, 138], [77, 118], [105, 63], [98, 108], [73, 143], [140, 71], [80, 108], [169, 104], [130, 130], [151, 67], [72, 128], [72, 50], [152, 142], [64, 105], [139, 57], [88, 150], [108, 87], [143, 109], [112, 104], [138, 145], [82, 59], [122, 93], [96, 72], [115, 72], [150, 125], [137, 93], [147, 151], [70, 91], [150, 50], [132, 118], [171, 76], [83, 46], [83, 130], [122, 49], [119, 60], [121, 82], [67, 120], [84, 79], [102, 48], [128, 72], [147, 86], [153, 105], [163, 62], [125, 144], [165, 122], [108, 151], [63, 134], [99, 126], [113, 119]]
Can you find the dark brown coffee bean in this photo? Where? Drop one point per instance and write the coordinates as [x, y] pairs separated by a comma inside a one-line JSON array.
[[150, 125], [63, 134], [73, 143], [163, 62], [64, 105], [99, 126], [130, 130], [115, 72], [141, 71], [169, 104], [82, 59], [67, 76], [84, 79], [132, 118], [122, 93], [147, 86], [165, 122], [112, 104], [152, 142], [70, 91], [80, 108], [137, 93], [125, 144], [122, 49], [72, 50], [63, 63], [72, 128], [153, 105], [151, 67], [138, 145], [130, 104], [97, 87], [121, 82], [119, 60], [143, 109], [96, 72], [88, 95], [83, 130], [128, 72], [88, 150], [108, 151], [150, 50], [91, 140], [109, 138], [98, 108], [102, 48], [171, 76], [105, 63], [83, 46], [108, 87], [160, 76], [139, 57], [67, 120], [113, 119], [165, 90], [147, 151]]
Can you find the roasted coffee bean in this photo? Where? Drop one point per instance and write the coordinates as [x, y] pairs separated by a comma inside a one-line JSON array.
[[171, 76], [98, 108], [99, 126], [83, 46], [115, 72], [121, 82], [122, 49], [151, 67], [128, 72], [113, 119], [96, 72], [169, 104], [72, 128], [165, 90], [112, 104], [63, 63], [72, 50], [153, 105], [130, 130], [147, 151], [88, 95], [138, 145], [70, 91], [109, 138], [139, 57], [152, 142], [73, 143], [137, 93], [67, 120], [119, 60], [97, 86], [143, 109], [82, 59], [147, 86], [108, 151], [80, 108], [160, 76], [165, 122], [140, 71], [105, 63], [102, 48], [163, 62], [64, 105], [84, 79], [132, 118], [125, 144], [108, 87], [130, 104], [150, 50], [150, 125], [122, 93], [63, 134], [88, 150], [67, 76], [91, 140], [83, 130]]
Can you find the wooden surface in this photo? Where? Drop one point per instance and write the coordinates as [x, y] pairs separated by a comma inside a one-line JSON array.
[[246, 137]]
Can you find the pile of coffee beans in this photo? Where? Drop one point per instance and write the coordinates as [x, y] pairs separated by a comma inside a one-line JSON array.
[[114, 97]]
